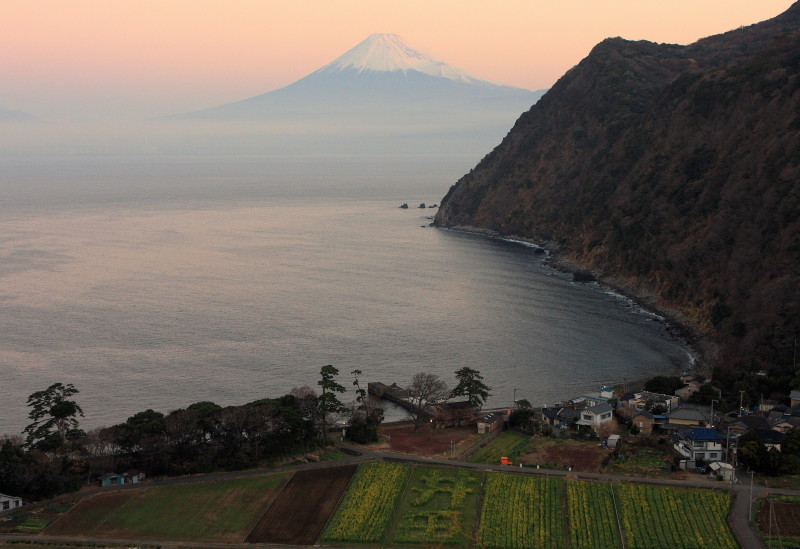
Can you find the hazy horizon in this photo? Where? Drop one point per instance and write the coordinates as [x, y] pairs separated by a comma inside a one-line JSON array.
[[92, 60]]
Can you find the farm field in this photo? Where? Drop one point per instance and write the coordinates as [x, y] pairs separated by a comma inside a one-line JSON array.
[[658, 516], [222, 511], [367, 507], [784, 517], [522, 511], [644, 461], [439, 506], [592, 518], [506, 444], [412, 505], [425, 442], [303, 507], [581, 456]]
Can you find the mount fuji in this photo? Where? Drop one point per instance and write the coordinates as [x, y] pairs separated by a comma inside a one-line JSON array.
[[382, 85]]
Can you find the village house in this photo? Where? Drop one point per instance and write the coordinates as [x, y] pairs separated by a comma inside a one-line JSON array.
[[739, 425], [631, 403], [9, 502], [644, 422], [601, 397], [452, 414], [688, 390], [705, 444], [688, 416], [785, 423], [766, 406], [596, 416], [769, 438]]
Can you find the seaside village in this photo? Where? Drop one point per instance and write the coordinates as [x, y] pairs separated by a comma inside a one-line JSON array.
[[693, 437]]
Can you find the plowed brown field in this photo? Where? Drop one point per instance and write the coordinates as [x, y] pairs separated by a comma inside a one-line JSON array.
[[785, 515], [84, 518], [302, 509]]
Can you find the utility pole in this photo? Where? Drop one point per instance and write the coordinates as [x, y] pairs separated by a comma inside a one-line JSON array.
[[741, 400], [750, 512], [514, 402], [712, 411]]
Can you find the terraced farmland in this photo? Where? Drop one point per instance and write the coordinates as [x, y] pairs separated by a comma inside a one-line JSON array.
[[397, 505], [223, 511], [439, 506]]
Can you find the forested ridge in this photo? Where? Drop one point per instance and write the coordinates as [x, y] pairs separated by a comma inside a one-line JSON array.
[[670, 169]]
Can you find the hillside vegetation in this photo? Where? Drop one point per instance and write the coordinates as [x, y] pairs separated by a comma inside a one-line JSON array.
[[670, 169]]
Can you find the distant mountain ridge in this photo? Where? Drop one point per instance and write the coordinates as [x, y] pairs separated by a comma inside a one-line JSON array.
[[673, 169], [10, 115], [382, 80]]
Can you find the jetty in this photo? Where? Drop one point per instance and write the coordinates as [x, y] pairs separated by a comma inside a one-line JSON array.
[[396, 395]]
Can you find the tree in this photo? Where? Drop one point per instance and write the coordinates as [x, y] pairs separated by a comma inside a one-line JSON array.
[[471, 385], [55, 417], [663, 385], [752, 453], [791, 442], [425, 389], [365, 416], [328, 402]]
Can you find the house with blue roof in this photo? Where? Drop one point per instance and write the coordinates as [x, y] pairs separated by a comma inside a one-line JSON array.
[[699, 443]]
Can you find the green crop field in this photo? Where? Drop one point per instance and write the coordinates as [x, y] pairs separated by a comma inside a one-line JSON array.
[[209, 511], [522, 511], [367, 507], [391, 504], [657, 516], [592, 519], [506, 444], [439, 506]]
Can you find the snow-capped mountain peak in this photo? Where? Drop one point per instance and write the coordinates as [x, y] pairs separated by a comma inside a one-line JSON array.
[[389, 53]]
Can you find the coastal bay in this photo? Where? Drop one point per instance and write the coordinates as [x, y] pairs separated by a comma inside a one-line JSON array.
[[158, 284]]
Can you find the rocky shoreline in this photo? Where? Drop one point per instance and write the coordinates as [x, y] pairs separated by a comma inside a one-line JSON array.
[[701, 350]]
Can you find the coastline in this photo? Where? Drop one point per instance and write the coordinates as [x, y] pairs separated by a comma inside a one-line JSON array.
[[699, 349]]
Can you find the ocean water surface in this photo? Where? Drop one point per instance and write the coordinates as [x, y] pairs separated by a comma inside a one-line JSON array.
[[156, 283]]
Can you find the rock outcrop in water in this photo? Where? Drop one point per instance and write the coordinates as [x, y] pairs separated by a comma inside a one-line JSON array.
[[675, 169]]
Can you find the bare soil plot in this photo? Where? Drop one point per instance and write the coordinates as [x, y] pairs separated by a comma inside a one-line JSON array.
[[222, 511], [88, 514], [426, 442], [785, 515], [302, 509], [582, 456]]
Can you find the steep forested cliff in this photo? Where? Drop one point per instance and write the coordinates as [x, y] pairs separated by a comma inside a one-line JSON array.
[[673, 168]]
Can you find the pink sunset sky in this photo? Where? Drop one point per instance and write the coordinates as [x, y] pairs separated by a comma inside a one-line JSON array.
[[68, 59]]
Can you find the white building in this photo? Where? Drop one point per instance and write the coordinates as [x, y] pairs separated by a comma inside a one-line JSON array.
[[9, 502]]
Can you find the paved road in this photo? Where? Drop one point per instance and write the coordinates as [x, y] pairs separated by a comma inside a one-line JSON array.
[[738, 518]]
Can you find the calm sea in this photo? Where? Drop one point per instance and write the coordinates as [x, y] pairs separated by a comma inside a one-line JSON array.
[[156, 283]]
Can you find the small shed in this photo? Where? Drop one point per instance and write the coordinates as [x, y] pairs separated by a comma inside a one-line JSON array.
[[612, 441], [9, 502], [721, 469], [111, 479], [489, 422], [133, 476]]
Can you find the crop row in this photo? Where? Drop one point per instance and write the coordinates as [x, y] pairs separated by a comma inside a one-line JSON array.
[[592, 519], [368, 505], [438, 507], [520, 512], [671, 517]]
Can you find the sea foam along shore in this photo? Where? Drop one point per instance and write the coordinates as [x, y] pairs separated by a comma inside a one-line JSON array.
[[699, 349]]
